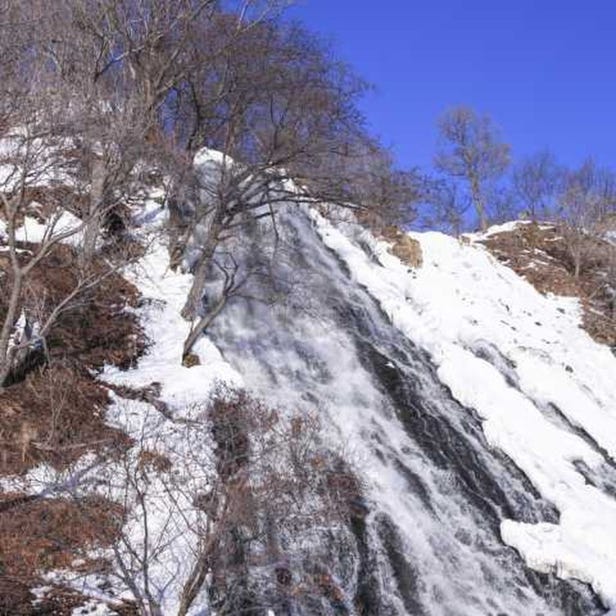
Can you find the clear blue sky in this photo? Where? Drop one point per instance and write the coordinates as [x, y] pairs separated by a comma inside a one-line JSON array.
[[545, 70]]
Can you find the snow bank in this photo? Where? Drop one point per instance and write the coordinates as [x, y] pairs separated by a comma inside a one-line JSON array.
[[64, 223], [173, 526], [514, 356], [164, 293]]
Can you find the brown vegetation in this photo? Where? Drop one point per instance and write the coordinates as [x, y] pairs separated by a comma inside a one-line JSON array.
[[407, 249], [54, 416], [47, 535], [94, 329], [541, 254], [53, 412]]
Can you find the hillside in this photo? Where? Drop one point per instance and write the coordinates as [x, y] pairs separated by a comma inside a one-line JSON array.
[[352, 435], [539, 253], [234, 383]]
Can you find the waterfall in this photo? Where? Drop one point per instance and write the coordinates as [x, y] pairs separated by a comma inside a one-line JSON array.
[[436, 491]]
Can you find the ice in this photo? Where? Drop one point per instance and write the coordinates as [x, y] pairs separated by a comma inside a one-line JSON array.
[[461, 297], [62, 224]]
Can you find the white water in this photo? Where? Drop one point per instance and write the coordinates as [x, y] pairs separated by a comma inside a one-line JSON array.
[[431, 475]]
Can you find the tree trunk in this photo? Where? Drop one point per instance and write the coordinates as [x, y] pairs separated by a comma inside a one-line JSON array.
[[191, 308], [94, 220], [193, 585], [478, 200], [7, 329], [202, 325]]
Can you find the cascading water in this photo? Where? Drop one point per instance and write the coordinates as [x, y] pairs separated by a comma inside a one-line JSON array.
[[436, 491]]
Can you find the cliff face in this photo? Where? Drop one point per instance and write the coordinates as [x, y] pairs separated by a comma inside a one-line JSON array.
[[354, 435]]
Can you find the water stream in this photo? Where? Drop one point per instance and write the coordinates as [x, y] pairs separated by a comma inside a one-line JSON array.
[[436, 491]]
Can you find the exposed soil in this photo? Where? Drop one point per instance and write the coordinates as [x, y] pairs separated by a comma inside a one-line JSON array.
[[539, 254], [54, 413], [45, 535]]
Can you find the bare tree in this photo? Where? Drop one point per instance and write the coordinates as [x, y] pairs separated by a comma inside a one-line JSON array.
[[42, 196], [588, 198], [283, 113], [536, 182], [83, 87], [209, 524], [471, 150], [447, 206], [117, 70], [610, 283], [152, 82]]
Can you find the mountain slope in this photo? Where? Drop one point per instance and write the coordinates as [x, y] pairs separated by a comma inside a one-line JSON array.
[[542, 387], [477, 417]]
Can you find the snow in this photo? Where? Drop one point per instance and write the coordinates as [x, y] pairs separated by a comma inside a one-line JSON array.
[[505, 227], [165, 292], [212, 157], [34, 231], [173, 525], [462, 301], [64, 223], [543, 389], [170, 532]]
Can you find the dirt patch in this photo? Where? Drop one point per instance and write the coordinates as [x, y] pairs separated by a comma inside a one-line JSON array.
[[407, 249], [539, 254], [54, 416], [45, 535]]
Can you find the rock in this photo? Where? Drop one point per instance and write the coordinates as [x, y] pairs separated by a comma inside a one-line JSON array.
[[191, 360], [407, 249]]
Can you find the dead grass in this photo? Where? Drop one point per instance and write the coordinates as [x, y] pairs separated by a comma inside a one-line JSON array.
[[54, 416], [539, 254], [45, 535], [54, 412], [98, 329]]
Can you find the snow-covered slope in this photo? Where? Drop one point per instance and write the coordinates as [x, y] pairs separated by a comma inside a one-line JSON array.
[[405, 387], [480, 418], [545, 391]]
